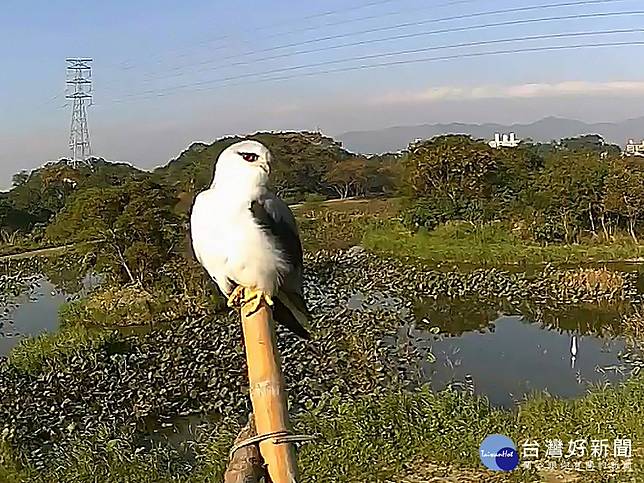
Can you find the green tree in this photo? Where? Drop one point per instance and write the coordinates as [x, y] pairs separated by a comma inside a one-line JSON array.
[[451, 166], [348, 177], [130, 231], [20, 178], [570, 190], [11, 218], [517, 168], [384, 173], [624, 198], [589, 143], [450, 177], [45, 191]]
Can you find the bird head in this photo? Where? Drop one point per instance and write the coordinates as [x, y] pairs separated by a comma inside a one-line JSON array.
[[244, 163]]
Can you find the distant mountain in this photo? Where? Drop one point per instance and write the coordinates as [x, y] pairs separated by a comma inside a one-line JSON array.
[[544, 130]]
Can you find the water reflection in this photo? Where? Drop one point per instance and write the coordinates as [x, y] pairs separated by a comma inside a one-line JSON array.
[[506, 352], [455, 317], [35, 313], [33, 292], [517, 358]]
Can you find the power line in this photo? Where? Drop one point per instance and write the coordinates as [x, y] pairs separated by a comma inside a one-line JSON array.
[[388, 54], [436, 20], [449, 57], [332, 24], [344, 10], [326, 13], [147, 79], [371, 17], [428, 33], [405, 25], [407, 62], [435, 32]]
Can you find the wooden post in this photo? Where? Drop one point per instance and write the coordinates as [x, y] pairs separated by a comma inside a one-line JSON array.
[[246, 464], [267, 393]]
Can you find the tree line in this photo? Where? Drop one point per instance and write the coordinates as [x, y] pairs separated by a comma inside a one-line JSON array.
[[550, 192], [305, 165], [131, 225], [556, 192]]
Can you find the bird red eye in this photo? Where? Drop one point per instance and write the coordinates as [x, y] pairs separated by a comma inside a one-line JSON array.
[[250, 157]]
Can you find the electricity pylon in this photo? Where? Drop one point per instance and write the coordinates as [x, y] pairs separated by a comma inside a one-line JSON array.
[[79, 82]]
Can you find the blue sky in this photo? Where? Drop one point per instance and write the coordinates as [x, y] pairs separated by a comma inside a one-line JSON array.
[[161, 66]]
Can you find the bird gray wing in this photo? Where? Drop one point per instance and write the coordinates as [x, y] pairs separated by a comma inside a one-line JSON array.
[[276, 218]]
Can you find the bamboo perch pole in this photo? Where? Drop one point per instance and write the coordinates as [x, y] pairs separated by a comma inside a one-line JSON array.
[[267, 393]]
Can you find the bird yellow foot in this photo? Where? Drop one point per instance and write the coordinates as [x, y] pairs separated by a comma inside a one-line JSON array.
[[253, 299], [248, 299], [236, 298]]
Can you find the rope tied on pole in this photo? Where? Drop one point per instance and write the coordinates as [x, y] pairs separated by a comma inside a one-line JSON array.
[[279, 437]]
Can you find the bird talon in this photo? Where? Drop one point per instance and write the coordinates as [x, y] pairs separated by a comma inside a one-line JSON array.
[[253, 300], [236, 298]]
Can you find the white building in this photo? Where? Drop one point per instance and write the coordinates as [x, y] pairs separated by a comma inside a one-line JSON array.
[[633, 149], [504, 141]]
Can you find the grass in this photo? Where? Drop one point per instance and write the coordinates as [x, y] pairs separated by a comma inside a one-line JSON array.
[[490, 244], [375, 224], [104, 458], [340, 224], [10, 470], [117, 306], [372, 438], [35, 354], [634, 323]]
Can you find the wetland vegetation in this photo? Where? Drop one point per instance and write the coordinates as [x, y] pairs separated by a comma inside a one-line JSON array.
[[437, 319]]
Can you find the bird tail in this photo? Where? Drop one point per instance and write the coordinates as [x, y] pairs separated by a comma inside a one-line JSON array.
[[290, 311]]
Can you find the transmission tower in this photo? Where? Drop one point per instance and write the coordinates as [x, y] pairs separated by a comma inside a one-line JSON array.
[[79, 90]]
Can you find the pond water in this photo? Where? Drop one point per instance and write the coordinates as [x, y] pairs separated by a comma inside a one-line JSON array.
[[36, 311], [466, 344], [514, 358], [475, 347]]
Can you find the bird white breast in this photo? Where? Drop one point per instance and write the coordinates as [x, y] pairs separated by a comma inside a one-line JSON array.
[[230, 245]]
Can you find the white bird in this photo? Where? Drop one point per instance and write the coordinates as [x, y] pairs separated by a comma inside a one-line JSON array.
[[247, 239], [573, 351]]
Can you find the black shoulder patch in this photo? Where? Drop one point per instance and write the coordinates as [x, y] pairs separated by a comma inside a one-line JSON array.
[[285, 237]]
